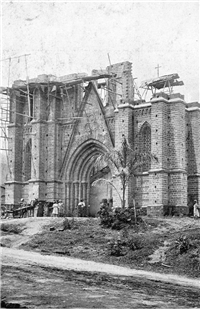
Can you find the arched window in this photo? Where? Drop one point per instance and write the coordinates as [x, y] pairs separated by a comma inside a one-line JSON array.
[[145, 145], [27, 160]]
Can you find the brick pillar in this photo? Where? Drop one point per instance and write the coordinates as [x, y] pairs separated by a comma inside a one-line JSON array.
[[37, 186], [124, 85], [40, 104], [193, 151], [158, 174], [127, 82], [13, 185], [124, 128], [177, 156], [53, 144]]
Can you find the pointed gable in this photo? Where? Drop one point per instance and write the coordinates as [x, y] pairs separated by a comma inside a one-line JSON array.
[[89, 124]]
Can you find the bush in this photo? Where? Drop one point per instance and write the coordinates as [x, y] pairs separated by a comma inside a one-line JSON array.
[[116, 248], [125, 243], [184, 254], [184, 244], [135, 242], [119, 218], [11, 228], [106, 217], [66, 224]]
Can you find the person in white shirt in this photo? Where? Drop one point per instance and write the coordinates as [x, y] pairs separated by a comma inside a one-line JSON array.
[[55, 209], [196, 209], [81, 208], [60, 208]]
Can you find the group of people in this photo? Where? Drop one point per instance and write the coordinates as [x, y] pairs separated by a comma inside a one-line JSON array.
[[58, 209]]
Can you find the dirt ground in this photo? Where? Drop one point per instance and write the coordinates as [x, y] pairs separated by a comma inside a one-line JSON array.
[[35, 280], [157, 243]]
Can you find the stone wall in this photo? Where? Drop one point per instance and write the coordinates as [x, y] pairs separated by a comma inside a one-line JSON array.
[[193, 150], [141, 119], [69, 128]]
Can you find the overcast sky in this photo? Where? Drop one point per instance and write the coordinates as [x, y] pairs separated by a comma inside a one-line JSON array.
[[69, 37]]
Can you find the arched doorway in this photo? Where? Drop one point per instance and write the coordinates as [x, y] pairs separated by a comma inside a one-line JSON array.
[[80, 173], [99, 191]]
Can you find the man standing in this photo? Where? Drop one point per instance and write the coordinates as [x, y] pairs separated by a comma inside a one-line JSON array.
[[60, 208], [196, 210], [81, 209]]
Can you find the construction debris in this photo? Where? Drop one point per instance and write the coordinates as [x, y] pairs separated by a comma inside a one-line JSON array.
[[162, 82]]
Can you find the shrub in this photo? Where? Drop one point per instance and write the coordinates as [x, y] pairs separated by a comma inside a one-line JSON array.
[[66, 224], [184, 244], [135, 242], [11, 228], [125, 243], [184, 253], [106, 217], [116, 248], [119, 218]]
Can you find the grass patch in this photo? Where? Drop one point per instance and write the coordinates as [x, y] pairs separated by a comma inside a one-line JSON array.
[[11, 228], [86, 239], [184, 253]]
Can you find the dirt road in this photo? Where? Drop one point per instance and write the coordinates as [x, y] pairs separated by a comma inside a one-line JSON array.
[[15, 257], [44, 281]]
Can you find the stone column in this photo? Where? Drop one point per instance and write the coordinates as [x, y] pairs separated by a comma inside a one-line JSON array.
[[66, 197], [76, 194], [124, 128], [13, 185], [84, 194], [88, 199], [37, 186], [193, 151], [53, 146], [177, 156], [84, 191], [158, 174]]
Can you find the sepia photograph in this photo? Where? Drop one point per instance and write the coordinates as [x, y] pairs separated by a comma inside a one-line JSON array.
[[100, 154]]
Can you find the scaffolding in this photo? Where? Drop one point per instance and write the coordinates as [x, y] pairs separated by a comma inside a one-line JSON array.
[[5, 112], [164, 83], [52, 83]]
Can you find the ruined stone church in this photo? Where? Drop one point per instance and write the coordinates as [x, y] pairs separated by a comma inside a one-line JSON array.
[[59, 126]]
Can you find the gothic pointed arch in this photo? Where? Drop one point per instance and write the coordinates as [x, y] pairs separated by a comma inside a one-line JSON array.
[[91, 107], [80, 172], [145, 144]]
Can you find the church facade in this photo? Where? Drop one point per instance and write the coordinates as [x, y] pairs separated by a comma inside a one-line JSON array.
[[59, 126]]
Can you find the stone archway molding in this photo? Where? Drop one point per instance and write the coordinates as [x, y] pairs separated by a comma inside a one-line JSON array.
[[77, 172]]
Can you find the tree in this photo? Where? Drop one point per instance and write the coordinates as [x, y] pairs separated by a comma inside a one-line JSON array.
[[126, 162]]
